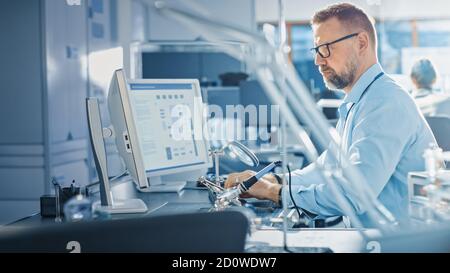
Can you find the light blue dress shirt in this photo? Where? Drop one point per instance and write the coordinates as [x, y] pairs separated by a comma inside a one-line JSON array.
[[384, 135]]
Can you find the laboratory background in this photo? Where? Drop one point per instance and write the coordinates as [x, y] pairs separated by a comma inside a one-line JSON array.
[[78, 125]]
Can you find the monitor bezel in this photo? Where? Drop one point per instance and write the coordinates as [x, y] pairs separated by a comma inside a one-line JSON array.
[[122, 121]]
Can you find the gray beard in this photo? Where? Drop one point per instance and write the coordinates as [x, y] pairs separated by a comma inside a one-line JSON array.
[[338, 82]]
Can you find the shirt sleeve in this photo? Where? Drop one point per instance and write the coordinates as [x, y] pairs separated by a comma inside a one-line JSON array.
[[380, 134], [311, 173]]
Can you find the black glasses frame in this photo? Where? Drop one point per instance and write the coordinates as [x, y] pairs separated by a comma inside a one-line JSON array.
[[327, 45]]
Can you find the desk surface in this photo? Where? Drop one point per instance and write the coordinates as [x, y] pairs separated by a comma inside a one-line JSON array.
[[191, 200], [156, 203], [338, 240]]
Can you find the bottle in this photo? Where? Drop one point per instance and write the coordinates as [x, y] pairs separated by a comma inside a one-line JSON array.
[[433, 161], [78, 208]]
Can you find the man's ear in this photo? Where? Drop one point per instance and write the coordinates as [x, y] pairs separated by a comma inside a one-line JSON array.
[[363, 41]]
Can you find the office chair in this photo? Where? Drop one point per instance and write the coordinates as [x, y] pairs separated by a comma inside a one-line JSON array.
[[440, 125], [218, 232]]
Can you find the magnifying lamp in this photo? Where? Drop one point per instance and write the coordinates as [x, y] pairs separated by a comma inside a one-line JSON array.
[[235, 150]]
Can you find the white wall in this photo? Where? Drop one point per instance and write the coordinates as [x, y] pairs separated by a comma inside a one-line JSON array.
[[132, 23], [415, 9], [302, 10], [238, 12]]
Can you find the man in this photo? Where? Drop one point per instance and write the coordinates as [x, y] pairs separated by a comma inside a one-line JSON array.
[[423, 76], [431, 102], [382, 131]]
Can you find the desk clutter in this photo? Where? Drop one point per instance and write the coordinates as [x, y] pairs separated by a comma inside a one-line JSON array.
[[56, 205]]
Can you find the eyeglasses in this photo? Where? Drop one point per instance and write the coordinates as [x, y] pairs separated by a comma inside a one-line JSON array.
[[324, 49]]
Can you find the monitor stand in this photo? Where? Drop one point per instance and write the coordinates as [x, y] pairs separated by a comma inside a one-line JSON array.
[[122, 206], [107, 203], [157, 185]]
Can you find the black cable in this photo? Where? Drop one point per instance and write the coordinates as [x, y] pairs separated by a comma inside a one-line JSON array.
[[297, 208], [111, 179], [308, 214], [87, 188], [290, 192], [286, 248]]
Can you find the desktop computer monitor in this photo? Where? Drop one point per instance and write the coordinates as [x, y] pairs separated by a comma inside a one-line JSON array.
[[158, 126]]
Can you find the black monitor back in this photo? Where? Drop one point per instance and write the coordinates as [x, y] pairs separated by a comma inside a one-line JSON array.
[[204, 66], [252, 93]]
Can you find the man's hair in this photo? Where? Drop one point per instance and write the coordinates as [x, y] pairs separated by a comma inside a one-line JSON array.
[[350, 16], [424, 72]]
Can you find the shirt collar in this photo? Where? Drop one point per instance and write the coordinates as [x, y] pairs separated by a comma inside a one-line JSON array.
[[421, 93], [366, 78]]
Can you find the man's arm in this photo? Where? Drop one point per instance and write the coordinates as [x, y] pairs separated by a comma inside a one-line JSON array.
[[381, 133], [305, 176], [311, 174]]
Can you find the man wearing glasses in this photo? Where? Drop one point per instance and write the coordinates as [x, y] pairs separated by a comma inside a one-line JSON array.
[[382, 131]]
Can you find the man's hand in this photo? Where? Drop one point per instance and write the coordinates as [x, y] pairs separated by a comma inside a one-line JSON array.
[[266, 188], [236, 178]]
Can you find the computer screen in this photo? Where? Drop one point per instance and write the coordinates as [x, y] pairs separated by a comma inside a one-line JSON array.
[[159, 127], [164, 113]]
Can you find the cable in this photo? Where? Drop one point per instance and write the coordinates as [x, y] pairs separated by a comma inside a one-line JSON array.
[[24, 218], [285, 246], [111, 179], [299, 210], [290, 192]]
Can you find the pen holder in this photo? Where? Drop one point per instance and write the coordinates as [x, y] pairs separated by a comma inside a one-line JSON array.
[[48, 202]]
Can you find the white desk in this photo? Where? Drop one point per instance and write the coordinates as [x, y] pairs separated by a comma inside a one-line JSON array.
[[338, 240]]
